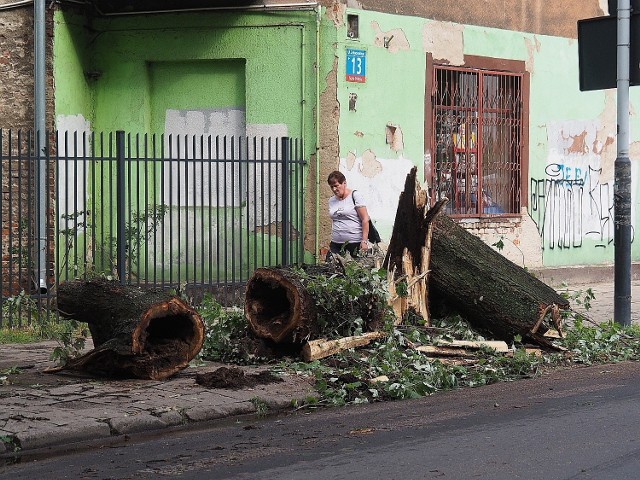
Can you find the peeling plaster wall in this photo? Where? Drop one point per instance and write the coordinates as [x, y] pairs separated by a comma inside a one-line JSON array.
[[546, 17], [568, 215], [381, 124]]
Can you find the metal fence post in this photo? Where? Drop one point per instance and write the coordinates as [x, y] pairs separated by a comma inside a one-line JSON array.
[[285, 199], [121, 241]]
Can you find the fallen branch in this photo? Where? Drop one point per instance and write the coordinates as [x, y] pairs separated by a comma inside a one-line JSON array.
[[438, 351], [317, 349], [497, 345]]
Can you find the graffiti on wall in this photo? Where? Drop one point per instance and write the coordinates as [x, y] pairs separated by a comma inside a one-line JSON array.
[[573, 201], [571, 204]]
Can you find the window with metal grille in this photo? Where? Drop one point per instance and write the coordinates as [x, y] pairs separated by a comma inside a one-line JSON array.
[[477, 140]]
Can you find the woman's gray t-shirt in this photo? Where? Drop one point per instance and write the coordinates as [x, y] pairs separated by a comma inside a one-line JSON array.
[[346, 225]]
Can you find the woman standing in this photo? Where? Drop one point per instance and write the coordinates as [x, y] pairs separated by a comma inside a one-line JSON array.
[[349, 216]]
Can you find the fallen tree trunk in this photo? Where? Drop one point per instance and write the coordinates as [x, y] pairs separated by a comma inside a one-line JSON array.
[[469, 277], [137, 333], [279, 305], [488, 290]]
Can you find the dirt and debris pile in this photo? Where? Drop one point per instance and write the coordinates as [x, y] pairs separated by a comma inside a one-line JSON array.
[[234, 378]]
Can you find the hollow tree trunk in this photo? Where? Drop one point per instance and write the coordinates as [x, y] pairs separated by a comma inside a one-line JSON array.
[[136, 332], [279, 306]]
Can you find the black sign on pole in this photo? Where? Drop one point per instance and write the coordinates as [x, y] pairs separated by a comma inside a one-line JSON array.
[[598, 56]]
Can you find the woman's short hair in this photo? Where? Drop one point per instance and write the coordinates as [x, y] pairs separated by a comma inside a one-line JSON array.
[[336, 175]]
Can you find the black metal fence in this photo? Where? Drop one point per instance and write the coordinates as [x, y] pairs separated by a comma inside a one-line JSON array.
[[193, 213]]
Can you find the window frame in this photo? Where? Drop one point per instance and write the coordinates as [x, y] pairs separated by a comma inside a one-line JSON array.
[[473, 64]]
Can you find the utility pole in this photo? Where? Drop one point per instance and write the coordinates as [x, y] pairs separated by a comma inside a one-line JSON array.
[[622, 173]]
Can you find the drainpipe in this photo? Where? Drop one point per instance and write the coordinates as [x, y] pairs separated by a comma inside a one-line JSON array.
[[622, 174], [40, 141], [317, 226]]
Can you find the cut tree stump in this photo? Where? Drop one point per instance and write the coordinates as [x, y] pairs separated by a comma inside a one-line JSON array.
[[140, 333], [279, 307], [469, 277]]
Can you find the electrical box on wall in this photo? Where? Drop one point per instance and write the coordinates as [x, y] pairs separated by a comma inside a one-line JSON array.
[[352, 26]]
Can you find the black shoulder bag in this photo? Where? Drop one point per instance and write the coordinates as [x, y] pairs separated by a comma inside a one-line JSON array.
[[374, 236]]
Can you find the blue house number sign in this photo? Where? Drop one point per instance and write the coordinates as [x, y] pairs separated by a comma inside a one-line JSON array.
[[356, 65]]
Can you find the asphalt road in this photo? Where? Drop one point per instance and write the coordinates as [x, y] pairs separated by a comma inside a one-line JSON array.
[[580, 423]]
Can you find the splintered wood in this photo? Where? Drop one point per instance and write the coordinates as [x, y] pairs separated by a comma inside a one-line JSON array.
[[409, 252]]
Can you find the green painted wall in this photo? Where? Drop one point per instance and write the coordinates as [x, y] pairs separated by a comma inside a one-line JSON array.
[[74, 92], [275, 47], [574, 222], [259, 64], [171, 86], [163, 63]]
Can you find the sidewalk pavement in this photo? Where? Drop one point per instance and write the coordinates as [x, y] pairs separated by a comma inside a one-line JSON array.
[[600, 280], [40, 411]]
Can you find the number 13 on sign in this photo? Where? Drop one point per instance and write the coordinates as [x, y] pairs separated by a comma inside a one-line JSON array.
[[356, 65]]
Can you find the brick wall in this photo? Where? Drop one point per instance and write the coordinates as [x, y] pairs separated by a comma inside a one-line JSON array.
[[16, 113], [505, 230]]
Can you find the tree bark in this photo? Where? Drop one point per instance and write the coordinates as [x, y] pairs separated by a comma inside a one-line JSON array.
[[488, 290], [141, 333], [466, 275], [279, 307]]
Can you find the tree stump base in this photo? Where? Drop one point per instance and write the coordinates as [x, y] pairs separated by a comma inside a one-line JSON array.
[[140, 333]]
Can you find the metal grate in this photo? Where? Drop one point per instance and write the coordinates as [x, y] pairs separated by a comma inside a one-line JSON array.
[[477, 118], [195, 213]]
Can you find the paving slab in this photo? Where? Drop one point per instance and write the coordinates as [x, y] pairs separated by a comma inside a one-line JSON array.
[[40, 410]]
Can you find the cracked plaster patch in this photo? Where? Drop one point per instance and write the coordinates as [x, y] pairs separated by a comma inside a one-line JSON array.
[[445, 41], [532, 47], [370, 166], [336, 13], [350, 160], [396, 39]]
